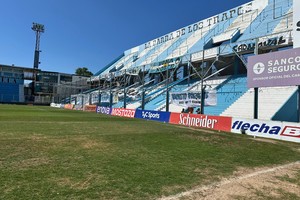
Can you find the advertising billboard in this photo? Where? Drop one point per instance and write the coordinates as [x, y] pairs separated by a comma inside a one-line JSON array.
[[103, 110], [280, 68], [90, 108], [201, 121], [69, 106], [267, 129], [193, 98], [153, 115], [121, 112]]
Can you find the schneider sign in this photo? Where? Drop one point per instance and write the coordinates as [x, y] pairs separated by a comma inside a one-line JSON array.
[[281, 68]]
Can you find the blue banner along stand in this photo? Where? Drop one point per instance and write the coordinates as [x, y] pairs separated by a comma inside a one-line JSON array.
[[153, 115]]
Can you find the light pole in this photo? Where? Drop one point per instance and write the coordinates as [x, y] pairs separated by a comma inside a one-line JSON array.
[[38, 29]]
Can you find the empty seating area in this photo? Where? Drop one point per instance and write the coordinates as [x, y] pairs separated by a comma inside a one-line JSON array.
[[215, 50]]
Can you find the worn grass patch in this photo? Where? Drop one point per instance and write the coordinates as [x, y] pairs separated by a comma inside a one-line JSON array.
[[48, 153]]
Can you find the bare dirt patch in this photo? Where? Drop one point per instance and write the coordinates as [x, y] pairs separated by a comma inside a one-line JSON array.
[[29, 163], [79, 184], [280, 182]]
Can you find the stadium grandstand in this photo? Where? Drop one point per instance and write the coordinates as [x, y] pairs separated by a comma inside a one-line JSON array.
[[203, 62]]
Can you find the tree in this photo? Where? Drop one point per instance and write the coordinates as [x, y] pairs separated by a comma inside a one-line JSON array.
[[83, 71]]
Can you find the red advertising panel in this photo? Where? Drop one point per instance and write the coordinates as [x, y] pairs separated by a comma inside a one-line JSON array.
[[69, 106], [202, 121], [121, 112], [90, 108]]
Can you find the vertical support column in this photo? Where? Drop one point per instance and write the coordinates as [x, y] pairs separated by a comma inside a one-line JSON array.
[[202, 97], [82, 101], [255, 112], [236, 65], [167, 93], [189, 73], [124, 89], [110, 91], [202, 86], [255, 116], [143, 93], [298, 104], [99, 98], [90, 98]]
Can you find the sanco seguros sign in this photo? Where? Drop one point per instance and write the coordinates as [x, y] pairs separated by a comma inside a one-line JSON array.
[[280, 68]]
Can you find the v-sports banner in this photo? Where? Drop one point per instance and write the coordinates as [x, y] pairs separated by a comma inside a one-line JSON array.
[[296, 21], [104, 110], [267, 129], [153, 115], [280, 68], [121, 112], [193, 98], [202, 121]]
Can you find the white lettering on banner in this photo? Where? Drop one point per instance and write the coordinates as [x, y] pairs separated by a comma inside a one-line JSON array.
[[286, 68], [284, 65], [103, 110], [197, 121], [150, 115], [123, 113], [284, 61]]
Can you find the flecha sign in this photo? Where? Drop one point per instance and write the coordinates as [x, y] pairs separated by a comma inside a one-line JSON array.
[[280, 68], [268, 129]]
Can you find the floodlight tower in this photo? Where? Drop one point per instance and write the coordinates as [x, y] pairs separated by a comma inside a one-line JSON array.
[[38, 29]]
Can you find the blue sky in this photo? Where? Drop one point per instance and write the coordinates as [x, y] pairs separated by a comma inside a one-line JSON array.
[[92, 33]]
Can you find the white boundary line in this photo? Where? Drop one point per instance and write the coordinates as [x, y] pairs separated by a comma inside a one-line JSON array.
[[224, 182]]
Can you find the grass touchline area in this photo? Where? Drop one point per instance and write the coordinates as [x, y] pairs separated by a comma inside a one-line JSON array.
[[48, 153]]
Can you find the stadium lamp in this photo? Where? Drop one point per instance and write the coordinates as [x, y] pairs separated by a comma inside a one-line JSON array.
[[38, 27]]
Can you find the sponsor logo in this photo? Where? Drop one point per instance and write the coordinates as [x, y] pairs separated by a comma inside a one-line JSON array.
[[90, 108], [276, 41], [103, 110], [123, 112], [150, 115], [291, 131], [201, 121], [258, 128], [69, 106], [259, 68]]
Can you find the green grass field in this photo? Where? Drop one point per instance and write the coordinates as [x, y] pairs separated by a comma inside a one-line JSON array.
[[48, 153]]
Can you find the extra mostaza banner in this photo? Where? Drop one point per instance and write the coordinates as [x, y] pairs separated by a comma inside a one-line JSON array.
[[121, 112]]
